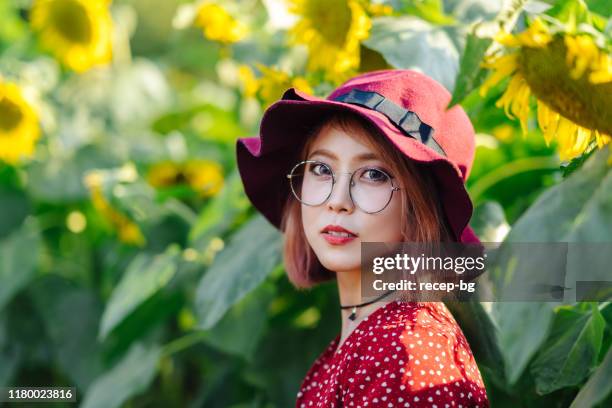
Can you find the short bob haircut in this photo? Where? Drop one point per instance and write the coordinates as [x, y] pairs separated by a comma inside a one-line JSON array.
[[424, 219]]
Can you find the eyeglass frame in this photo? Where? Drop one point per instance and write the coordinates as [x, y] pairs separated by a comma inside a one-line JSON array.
[[291, 175]]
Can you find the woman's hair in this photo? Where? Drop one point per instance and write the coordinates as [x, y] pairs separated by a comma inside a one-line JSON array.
[[423, 220]]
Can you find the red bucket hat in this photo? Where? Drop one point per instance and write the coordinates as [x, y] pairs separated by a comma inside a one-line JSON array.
[[408, 107]]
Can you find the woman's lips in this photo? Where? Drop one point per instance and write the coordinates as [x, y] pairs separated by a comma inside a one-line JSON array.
[[337, 239]]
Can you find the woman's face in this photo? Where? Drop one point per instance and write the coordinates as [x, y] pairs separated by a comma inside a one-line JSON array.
[[344, 154]]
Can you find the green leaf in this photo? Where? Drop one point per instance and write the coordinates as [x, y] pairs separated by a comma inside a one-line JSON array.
[[12, 28], [575, 210], [480, 332], [240, 329], [571, 12], [571, 351], [250, 256], [8, 355], [60, 178], [19, 255], [468, 11], [130, 376], [144, 277], [208, 121], [597, 387], [71, 315], [220, 213], [601, 7], [429, 10], [411, 43], [522, 327], [14, 206], [489, 222], [575, 163], [470, 75]]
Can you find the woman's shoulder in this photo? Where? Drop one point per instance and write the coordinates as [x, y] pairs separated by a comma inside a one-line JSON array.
[[399, 319], [416, 350], [416, 332]]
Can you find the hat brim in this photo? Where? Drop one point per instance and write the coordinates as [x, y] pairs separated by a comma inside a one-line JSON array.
[[264, 161]]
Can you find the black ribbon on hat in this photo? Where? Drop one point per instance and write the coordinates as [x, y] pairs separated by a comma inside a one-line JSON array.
[[404, 119]]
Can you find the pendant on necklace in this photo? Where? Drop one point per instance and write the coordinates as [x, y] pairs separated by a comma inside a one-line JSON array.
[[353, 314]]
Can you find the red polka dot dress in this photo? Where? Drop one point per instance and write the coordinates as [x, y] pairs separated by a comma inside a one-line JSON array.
[[402, 355]]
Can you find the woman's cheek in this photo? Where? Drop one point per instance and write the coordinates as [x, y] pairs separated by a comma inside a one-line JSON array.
[[309, 224]]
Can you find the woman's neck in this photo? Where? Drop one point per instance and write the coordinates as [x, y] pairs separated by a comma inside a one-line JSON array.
[[349, 291]]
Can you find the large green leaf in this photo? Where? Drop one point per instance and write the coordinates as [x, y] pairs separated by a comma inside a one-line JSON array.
[[598, 387], [489, 222], [8, 356], [469, 11], [571, 351], [240, 329], [19, 254], [522, 327], [129, 377], [429, 10], [71, 315], [575, 210], [411, 43], [59, 179], [14, 206], [144, 277], [480, 331], [250, 256], [220, 213], [470, 75]]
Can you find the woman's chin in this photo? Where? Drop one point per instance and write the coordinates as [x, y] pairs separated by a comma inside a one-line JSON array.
[[333, 263]]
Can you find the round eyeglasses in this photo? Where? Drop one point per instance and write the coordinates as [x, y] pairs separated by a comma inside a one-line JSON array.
[[370, 188]]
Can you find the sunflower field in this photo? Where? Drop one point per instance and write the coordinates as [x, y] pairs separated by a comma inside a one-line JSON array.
[[132, 265]]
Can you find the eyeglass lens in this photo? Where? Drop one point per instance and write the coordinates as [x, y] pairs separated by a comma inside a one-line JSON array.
[[370, 188]]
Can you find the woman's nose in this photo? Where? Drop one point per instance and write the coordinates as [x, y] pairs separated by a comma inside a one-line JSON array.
[[340, 199]]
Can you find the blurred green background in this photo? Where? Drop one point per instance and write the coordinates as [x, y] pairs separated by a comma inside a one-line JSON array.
[[132, 265]]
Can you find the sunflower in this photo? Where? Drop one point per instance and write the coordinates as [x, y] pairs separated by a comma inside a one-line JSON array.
[[332, 30], [203, 176], [272, 83], [127, 230], [77, 32], [19, 129], [218, 24], [570, 79]]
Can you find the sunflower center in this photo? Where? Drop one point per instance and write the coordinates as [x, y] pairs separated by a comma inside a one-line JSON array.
[[332, 17], [10, 115], [70, 19], [579, 100]]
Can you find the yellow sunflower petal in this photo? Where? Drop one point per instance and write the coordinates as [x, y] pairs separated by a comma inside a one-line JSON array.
[[218, 24], [503, 66], [332, 32], [248, 80], [19, 128], [573, 139], [548, 121], [274, 82], [602, 70], [204, 176], [77, 32]]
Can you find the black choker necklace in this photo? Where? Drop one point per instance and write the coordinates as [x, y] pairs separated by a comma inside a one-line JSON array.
[[353, 314]]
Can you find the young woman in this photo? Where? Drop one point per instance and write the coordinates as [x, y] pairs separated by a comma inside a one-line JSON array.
[[378, 160]]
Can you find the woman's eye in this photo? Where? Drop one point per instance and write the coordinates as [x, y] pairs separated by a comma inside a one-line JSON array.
[[375, 175], [319, 169]]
